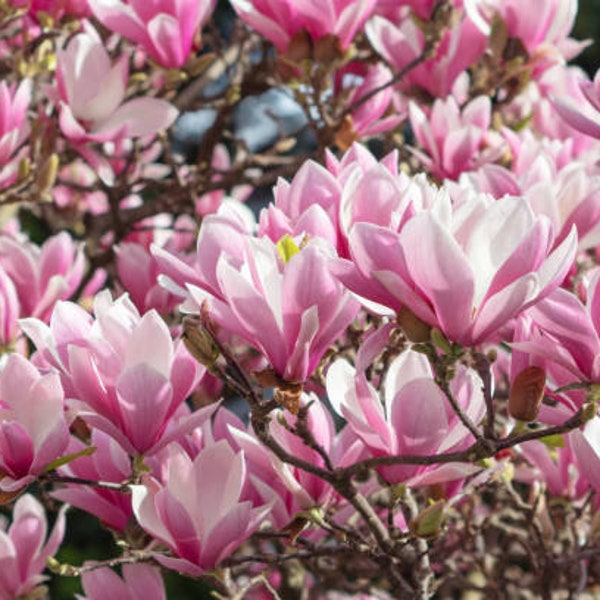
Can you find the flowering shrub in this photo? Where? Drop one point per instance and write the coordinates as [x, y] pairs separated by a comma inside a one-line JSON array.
[[298, 299]]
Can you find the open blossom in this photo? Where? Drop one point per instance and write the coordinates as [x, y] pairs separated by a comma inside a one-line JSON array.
[[466, 269], [140, 582], [24, 548], [544, 30], [14, 127], [165, 29], [584, 118], [397, 424], [109, 462], [279, 22], [281, 299], [400, 43], [555, 183], [196, 509], [125, 371], [290, 489], [42, 275], [91, 95], [562, 335], [453, 139], [33, 428], [380, 113]]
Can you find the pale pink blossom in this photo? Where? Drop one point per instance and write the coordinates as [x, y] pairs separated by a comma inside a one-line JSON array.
[[280, 21], [9, 310], [398, 44], [42, 275], [108, 463], [380, 113], [196, 509], [92, 95], [555, 183], [453, 139], [466, 269], [562, 335], [393, 423], [24, 548], [14, 127], [165, 29], [279, 298], [561, 469], [125, 371], [544, 30], [289, 489], [583, 117], [33, 426], [140, 582]]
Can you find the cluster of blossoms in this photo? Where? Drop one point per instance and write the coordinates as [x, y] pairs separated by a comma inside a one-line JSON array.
[[381, 382]]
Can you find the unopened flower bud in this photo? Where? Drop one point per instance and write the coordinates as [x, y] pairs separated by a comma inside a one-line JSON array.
[[199, 343], [526, 394], [429, 521]]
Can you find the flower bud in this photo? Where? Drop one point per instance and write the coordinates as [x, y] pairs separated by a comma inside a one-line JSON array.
[[526, 394], [416, 331]]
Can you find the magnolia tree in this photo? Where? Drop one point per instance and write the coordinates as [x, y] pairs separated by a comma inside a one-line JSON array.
[[382, 384]]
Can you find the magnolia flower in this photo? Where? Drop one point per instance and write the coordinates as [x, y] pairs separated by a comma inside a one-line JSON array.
[[281, 21], [126, 372], [24, 549], [196, 509], [396, 424], [281, 299], [140, 582], [33, 428], [584, 118], [14, 127], [42, 275], [91, 95], [165, 29], [400, 43], [109, 462], [452, 139], [466, 269]]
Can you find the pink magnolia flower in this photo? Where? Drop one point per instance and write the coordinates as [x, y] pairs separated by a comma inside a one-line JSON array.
[[125, 371], [453, 139], [398, 44], [196, 509], [91, 95], [280, 299], [140, 582], [380, 113], [562, 469], [396, 424], [24, 549], [9, 311], [586, 117], [165, 29], [325, 203], [42, 275], [555, 183], [280, 21], [137, 268], [33, 428], [55, 8], [14, 127], [541, 29], [110, 463], [562, 335], [466, 269], [287, 488]]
